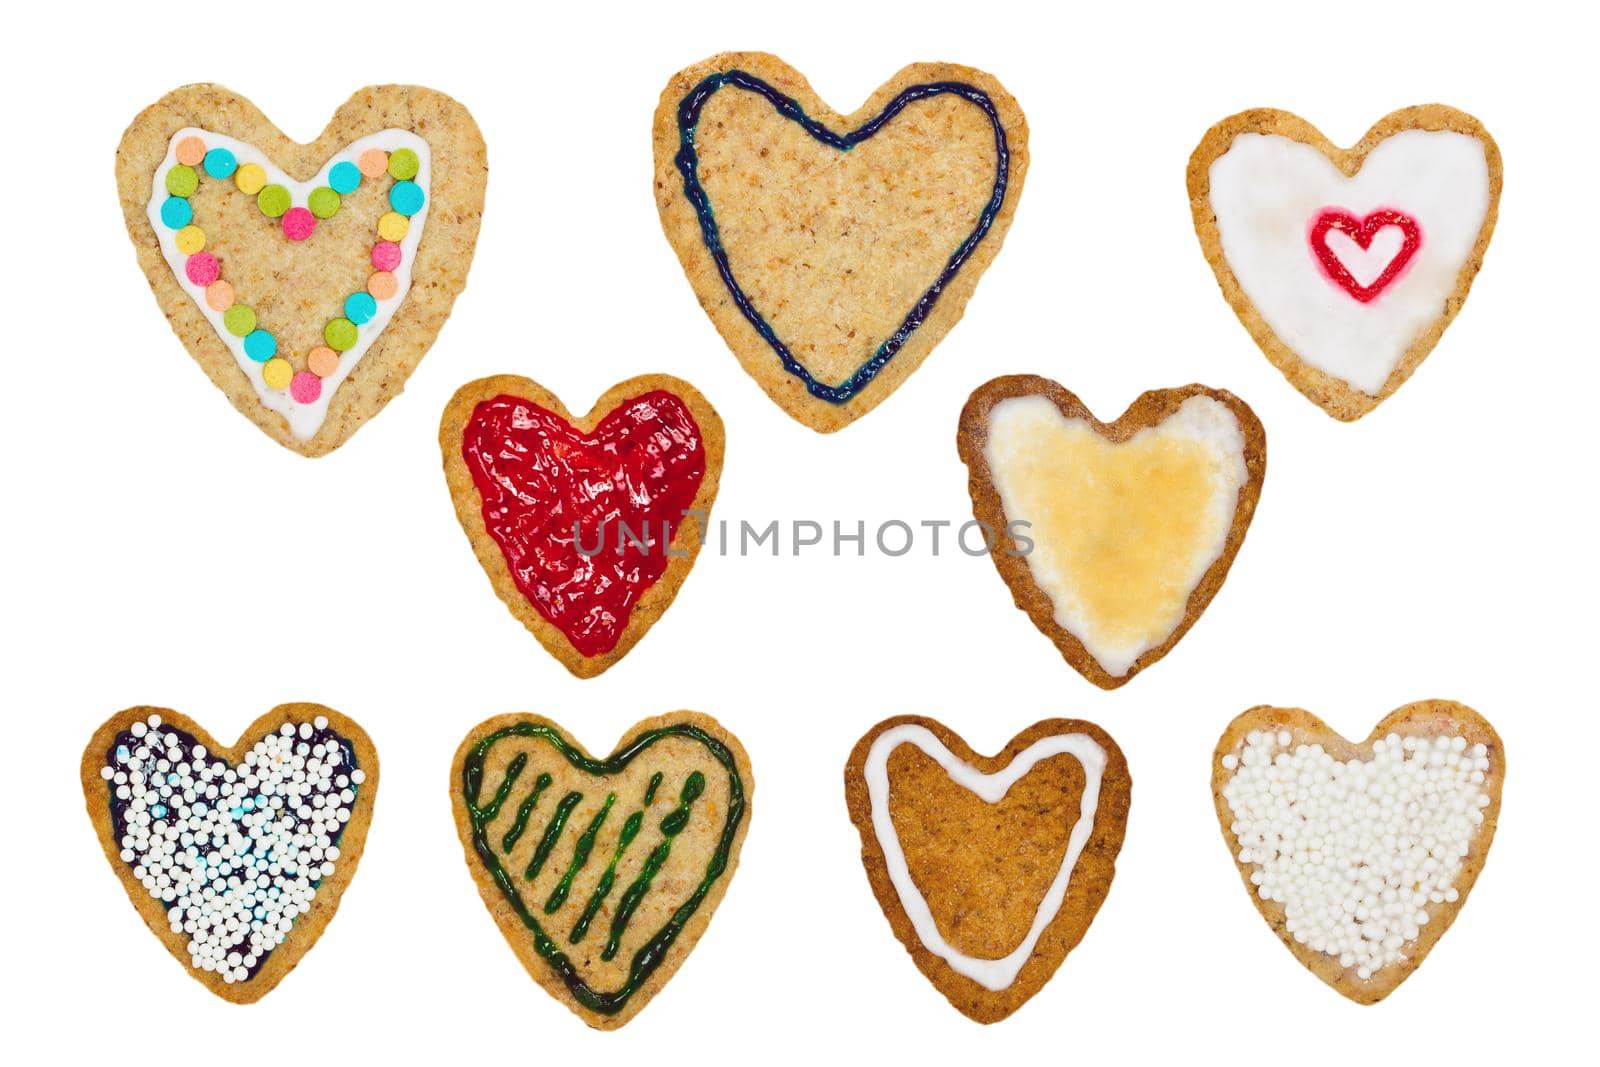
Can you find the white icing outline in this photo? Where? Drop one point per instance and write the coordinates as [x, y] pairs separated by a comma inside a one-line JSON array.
[[304, 419], [998, 974]]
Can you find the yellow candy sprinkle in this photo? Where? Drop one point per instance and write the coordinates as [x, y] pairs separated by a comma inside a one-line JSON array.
[[393, 226], [277, 373], [250, 178], [190, 240]]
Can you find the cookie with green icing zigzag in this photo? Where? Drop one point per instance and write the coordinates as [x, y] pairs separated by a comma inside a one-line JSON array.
[[602, 873]]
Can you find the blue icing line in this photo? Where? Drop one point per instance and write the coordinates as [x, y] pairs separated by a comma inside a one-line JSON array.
[[689, 109]]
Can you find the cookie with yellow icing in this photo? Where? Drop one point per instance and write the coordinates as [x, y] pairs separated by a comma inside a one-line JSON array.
[[1117, 534]]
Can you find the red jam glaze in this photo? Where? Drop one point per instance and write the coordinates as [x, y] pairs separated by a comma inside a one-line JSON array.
[[539, 478], [1362, 231]]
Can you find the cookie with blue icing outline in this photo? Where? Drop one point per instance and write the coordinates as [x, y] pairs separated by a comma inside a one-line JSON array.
[[833, 252]]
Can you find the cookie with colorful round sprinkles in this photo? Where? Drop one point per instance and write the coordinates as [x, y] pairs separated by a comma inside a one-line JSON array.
[[602, 872], [235, 856], [356, 244], [1359, 855]]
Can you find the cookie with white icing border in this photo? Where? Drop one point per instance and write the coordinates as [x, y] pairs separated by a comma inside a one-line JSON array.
[[833, 252], [1113, 537], [989, 869], [307, 280], [602, 873], [1407, 860], [1346, 265], [326, 765], [586, 526]]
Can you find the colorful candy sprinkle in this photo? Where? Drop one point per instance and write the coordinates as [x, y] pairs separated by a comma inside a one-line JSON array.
[[373, 162], [382, 285], [386, 255], [202, 268], [406, 197], [305, 388], [392, 226], [360, 307], [190, 151], [176, 213], [340, 334], [190, 240], [403, 164], [219, 296], [323, 361], [273, 200], [239, 320], [344, 177], [323, 202], [277, 373], [250, 178], [298, 222], [220, 163], [182, 180], [260, 345]]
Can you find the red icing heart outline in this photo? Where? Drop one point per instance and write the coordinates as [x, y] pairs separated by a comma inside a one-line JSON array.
[[541, 480], [1362, 231]]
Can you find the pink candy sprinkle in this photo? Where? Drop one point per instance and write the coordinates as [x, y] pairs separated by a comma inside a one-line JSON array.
[[386, 255], [298, 222], [305, 388], [203, 268]]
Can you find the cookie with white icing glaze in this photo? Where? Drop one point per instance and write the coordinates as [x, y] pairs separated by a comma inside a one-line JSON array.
[[586, 526], [833, 252], [187, 822], [307, 280], [1346, 264], [1113, 537], [602, 872], [1359, 856], [989, 869]]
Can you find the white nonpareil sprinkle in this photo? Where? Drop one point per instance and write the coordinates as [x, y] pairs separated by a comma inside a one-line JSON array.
[[1356, 852], [235, 853]]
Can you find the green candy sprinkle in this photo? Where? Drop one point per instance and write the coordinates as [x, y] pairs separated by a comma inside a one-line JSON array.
[[340, 334], [239, 320], [182, 181], [273, 200], [323, 202], [403, 164]]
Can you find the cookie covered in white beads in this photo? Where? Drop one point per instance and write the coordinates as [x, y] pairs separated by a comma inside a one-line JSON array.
[[1359, 856], [234, 856]]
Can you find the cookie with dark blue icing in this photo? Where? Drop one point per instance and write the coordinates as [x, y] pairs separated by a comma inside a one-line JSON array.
[[833, 252]]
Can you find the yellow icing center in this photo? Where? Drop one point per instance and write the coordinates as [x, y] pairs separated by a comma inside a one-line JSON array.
[[1122, 532]]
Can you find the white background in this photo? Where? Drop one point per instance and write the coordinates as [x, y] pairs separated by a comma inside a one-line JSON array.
[[158, 549]]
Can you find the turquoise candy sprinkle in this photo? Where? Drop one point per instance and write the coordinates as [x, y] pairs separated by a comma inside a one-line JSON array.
[[406, 197], [176, 213], [123, 754], [344, 177], [360, 307], [159, 811], [260, 345], [220, 163]]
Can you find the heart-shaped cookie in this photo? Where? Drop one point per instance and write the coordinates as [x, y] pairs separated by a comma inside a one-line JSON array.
[[1113, 538], [1346, 265], [833, 252], [585, 526], [234, 856], [306, 280], [989, 869], [1359, 856], [602, 873]]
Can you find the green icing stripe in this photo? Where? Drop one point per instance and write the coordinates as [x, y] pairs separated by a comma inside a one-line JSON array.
[[580, 857], [602, 889], [671, 827], [514, 834], [650, 790], [506, 783], [654, 951], [552, 834]]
